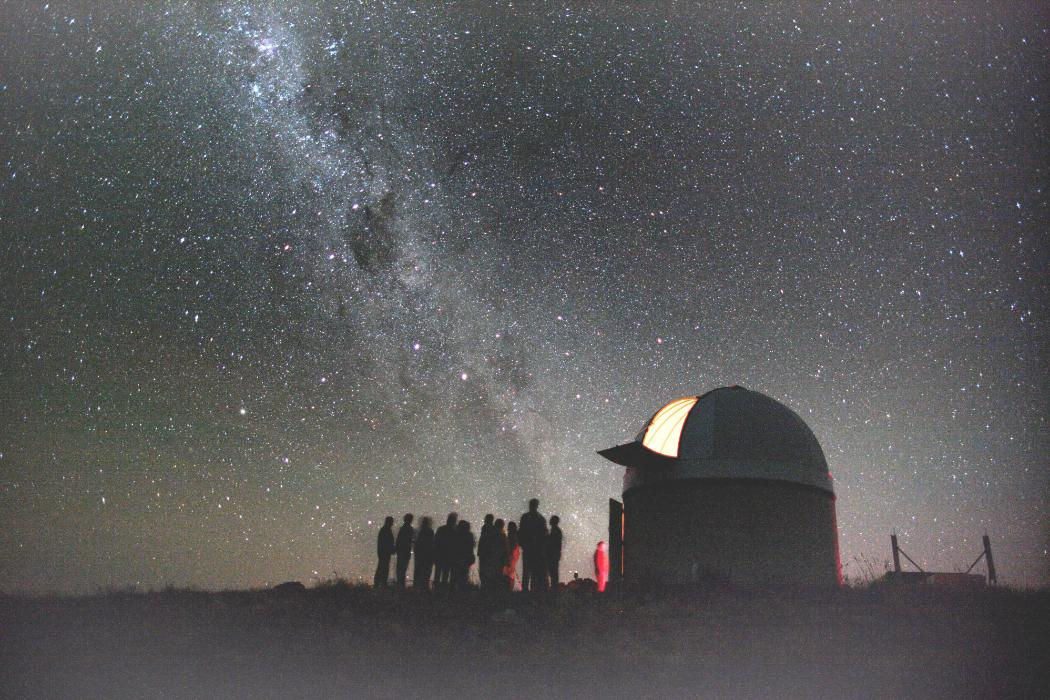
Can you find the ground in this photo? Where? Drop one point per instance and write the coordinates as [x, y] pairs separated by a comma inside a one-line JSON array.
[[336, 640]]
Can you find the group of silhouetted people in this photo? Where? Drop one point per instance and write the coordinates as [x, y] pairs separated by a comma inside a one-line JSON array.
[[450, 551]]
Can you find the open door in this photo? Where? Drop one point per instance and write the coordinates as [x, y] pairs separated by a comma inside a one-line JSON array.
[[616, 530]]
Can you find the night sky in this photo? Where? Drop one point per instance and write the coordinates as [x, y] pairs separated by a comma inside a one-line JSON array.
[[268, 275]]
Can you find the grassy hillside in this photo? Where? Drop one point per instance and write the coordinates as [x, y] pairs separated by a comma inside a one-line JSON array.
[[336, 640]]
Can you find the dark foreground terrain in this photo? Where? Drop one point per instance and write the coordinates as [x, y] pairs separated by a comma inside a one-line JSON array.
[[341, 641]]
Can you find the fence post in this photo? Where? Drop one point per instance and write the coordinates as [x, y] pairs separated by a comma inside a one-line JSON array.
[[988, 559]]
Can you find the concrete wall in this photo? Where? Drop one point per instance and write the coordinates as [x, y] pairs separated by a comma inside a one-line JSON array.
[[748, 531]]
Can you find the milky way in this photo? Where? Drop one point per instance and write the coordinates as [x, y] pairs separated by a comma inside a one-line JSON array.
[[271, 274]]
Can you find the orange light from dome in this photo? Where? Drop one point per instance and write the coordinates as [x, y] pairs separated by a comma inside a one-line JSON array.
[[665, 429]]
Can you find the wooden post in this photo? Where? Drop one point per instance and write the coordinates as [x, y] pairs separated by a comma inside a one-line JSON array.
[[896, 553]]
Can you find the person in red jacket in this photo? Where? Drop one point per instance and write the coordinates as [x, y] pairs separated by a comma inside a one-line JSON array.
[[510, 571], [601, 566]]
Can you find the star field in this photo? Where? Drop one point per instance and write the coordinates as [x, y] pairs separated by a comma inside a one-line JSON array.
[[272, 273]]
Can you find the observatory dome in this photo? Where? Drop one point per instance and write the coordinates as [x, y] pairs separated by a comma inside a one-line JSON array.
[[732, 433], [730, 485]]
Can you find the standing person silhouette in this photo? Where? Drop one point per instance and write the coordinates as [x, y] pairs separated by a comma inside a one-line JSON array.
[[552, 550], [510, 571], [424, 554], [445, 551], [385, 549], [493, 570], [405, 537], [485, 539], [532, 531], [601, 566], [464, 556]]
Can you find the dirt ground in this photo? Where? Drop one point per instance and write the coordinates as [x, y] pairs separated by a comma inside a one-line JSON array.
[[336, 640]]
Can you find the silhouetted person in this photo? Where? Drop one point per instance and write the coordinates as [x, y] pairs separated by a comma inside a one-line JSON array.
[[445, 551], [464, 555], [492, 557], [405, 536], [601, 566], [424, 553], [510, 571], [552, 550], [484, 546], [385, 549], [532, 531]]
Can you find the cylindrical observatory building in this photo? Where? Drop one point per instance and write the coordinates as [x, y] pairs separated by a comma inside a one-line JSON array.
[[728, 486]]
